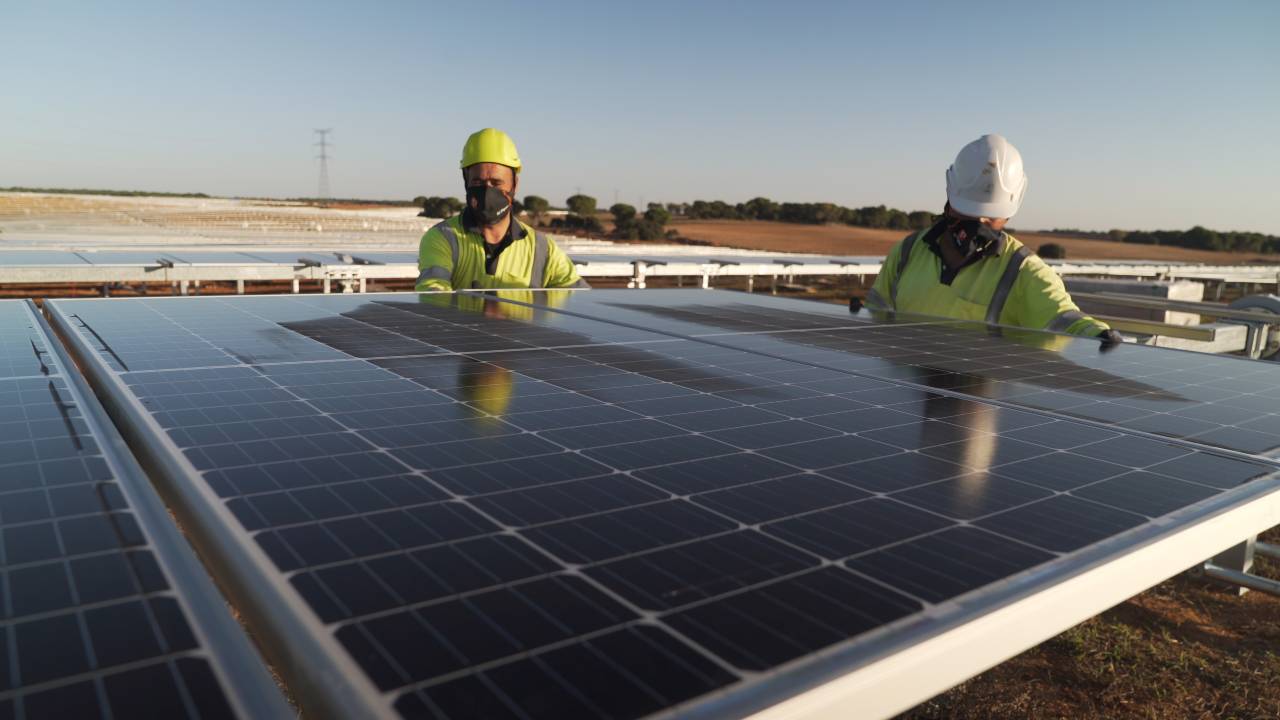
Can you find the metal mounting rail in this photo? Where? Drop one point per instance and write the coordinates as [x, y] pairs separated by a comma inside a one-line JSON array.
[[1217, 310], [1232, 566], [1155, 327]]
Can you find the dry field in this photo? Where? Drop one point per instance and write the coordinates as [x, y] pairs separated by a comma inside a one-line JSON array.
[[847, 240]]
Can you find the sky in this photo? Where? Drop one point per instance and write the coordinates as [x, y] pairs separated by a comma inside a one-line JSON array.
[[1135, 115]]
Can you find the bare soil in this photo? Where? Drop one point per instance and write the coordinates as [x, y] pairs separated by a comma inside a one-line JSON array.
[[848, 240]]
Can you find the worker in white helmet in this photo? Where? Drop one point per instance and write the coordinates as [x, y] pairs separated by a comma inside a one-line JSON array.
[[966, 267]]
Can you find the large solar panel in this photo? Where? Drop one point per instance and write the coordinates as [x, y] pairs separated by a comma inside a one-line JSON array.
[[104, 611], [616, 503], [1215, 400]]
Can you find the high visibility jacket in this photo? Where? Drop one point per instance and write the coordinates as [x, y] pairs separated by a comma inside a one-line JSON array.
[[452, 258], [1010, 286]]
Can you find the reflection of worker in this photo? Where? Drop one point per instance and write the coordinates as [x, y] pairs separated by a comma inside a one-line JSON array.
[[521, 304], [486, 387], [484, 246], [967, 268]]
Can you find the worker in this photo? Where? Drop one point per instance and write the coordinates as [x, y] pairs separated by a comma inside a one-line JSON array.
[[966, 267], [485, 246]]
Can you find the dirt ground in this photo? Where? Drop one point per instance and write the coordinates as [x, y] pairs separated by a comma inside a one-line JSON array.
[[848, 240]]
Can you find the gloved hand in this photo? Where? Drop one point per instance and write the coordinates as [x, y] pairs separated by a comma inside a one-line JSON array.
[[1111, 339]]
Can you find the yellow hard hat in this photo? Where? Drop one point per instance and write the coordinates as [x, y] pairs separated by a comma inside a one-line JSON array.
[[490, 145]]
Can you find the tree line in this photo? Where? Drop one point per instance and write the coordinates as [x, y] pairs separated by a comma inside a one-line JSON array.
[[631, 224], [762, 208], [1197, 238], [111, 193]]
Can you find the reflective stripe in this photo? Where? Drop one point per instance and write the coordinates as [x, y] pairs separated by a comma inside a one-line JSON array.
[[874, 299], [435, 272], [1064, 320], [539, 272], [904, 253], [581, 284], [1005, 285], [447, 230]]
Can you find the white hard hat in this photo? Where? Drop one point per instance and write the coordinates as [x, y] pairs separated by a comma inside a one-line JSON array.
[[986, 179]]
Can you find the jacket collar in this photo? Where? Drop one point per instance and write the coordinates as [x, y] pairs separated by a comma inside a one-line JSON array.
[[991, 249]]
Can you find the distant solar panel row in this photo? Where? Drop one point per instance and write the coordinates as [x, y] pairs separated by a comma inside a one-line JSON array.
[[104, 611], [610, 504]]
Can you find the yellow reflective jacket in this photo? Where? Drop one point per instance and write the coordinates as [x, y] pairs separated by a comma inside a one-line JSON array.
[[1010, 286], [452, 258]]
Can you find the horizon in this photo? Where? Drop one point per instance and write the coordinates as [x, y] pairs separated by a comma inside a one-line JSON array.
[[1126, 117], [196, 194]]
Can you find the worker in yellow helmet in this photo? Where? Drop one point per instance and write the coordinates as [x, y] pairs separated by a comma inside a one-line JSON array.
[[966, 267], [485, 246]]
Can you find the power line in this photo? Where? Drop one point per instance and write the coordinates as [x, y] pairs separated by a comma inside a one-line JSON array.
[[323, 157]]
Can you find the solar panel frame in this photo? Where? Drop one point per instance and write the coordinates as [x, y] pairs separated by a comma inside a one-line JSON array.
[[311, 665], [872, 655], [238, 670]]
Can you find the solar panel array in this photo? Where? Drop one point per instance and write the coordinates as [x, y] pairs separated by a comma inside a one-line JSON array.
[[96, 613], [612, 504]]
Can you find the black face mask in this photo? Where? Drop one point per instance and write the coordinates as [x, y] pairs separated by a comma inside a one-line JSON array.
[[488, 204], [971, 235]]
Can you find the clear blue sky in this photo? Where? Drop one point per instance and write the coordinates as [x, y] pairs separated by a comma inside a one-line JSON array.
[[1131, 115]]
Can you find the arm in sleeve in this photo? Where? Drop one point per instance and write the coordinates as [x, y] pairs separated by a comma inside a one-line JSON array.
[[1041, 302], [435, 263], [561, 272], [880, 296]]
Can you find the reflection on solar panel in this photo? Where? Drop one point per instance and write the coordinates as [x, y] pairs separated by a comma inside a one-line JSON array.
[[568, 506], [105, 612], [1215, 400]]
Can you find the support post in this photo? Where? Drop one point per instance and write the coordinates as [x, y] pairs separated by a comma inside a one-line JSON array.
[[326, 284], [1237, 559], [364, 285], [183, 286], [751, 283], [706, 279], [239, 287], [773, 284], [296, 288]]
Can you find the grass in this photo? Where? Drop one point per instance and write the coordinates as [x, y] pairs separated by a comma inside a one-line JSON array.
[[1186, 648]]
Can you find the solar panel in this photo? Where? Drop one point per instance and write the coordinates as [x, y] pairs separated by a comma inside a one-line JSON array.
[[105, 611], [20, 258], [546, 508], [1215, 400]]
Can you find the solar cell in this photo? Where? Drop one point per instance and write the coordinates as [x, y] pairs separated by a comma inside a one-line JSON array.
[[544, 508], [102, 602]]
